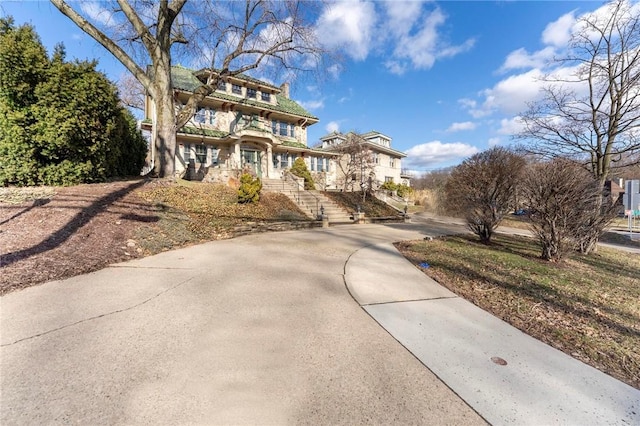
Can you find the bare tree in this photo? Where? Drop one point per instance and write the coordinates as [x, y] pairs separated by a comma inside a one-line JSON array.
[[482, 189], [234, 37], [131, 92], [566, 207], [593, 116], [355, 165]]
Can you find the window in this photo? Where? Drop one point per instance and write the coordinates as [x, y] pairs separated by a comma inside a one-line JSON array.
[[251, 93], [266, 97], [312, 164], [322, 164], [215, 153], [284, 160], [186, 153], [282, 129], [201, 154], [212, 116], [375, 158], [236, 89], [388, 178], [391, 162], [201, 116], [222, 85]]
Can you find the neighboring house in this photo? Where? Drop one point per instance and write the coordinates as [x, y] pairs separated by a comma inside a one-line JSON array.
[[369, 159], [244, 125]]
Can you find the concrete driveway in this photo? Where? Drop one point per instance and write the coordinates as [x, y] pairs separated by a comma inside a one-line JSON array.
[[255, 330], [279, 329]]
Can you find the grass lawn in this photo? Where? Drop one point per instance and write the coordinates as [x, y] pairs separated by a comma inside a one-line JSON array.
[[586, 306]]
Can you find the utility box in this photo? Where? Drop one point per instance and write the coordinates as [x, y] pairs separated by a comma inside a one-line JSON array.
[[632, 195]]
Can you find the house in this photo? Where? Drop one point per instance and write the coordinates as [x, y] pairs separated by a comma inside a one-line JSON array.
[[366, 159], [244, 125]]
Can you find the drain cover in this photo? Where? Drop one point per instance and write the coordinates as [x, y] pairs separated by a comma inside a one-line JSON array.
[[498, 360]]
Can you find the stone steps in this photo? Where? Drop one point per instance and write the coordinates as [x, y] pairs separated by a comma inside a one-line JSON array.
[[310, 202]]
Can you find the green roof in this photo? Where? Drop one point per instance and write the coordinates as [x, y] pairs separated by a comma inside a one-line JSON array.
[[203, 132], [185, 79]]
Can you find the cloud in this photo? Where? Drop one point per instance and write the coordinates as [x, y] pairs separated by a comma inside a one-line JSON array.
[[558, 32], [435, 154], [493, 142], [348, 26], [332, 126], [334, 71], [511, 126], [511, 95], [457, 127], [312, 105], [98, 13], [520, 58], [418, 43]]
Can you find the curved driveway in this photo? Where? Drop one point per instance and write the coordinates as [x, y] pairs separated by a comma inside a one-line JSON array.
[[264, 329], [255, 330]]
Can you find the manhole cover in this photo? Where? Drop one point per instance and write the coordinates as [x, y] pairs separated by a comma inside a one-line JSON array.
[[498, 360]]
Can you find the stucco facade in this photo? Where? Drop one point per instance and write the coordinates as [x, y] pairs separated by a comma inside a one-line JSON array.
[[380, 162], [244, 125]]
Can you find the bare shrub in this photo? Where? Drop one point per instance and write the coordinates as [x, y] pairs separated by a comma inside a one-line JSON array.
[[567, 208], [482, 189]]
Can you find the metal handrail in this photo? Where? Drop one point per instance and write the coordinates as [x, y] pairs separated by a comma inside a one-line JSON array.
[[288, 176]]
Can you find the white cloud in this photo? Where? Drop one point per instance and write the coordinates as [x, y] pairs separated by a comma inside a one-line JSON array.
[[511, 95], [558, 32], [435, 154], [493, 142], [348, 25], [520, 58], [416, 38], [312, 105], [332, 126], [511, 126], [457, 127], [334, 71], [98, 13]]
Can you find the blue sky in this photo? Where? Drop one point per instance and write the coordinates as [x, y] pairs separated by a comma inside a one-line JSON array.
[[443, 79]]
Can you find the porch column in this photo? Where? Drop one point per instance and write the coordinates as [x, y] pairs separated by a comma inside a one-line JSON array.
[[236, 156], [270, 172]]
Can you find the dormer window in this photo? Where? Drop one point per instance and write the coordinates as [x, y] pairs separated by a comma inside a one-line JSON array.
[[266, 97], [251, 93], [236, 89]]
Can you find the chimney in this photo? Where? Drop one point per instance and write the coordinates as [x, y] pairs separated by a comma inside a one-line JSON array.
[[285, 90]]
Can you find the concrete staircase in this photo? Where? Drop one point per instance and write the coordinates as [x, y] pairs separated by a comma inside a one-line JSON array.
[[310, 202]]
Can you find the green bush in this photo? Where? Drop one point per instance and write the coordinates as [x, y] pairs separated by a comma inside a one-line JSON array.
[[249, 191], [404, 190], [60, 122], [389, 186], [300, 169]]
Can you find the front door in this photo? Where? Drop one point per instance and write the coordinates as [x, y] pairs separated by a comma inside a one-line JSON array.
[[251, 159]]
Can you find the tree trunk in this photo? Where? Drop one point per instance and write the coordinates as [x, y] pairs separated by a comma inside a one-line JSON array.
[[165, 131]]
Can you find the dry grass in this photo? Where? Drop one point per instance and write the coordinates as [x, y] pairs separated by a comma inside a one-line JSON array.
[[372, 207], [587, 306]]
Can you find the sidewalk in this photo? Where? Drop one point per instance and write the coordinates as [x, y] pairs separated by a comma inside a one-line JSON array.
[[465, 347]]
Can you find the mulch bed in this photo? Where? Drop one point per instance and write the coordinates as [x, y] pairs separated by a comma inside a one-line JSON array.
[[79, 229]]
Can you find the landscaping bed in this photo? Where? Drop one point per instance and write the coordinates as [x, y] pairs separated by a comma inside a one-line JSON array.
[[586, 306]]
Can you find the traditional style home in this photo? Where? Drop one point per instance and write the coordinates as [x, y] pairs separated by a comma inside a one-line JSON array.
[[369, 159], [244, 125]]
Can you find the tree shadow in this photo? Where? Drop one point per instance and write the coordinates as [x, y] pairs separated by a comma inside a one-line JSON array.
[[36, 203], [78, 221]]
